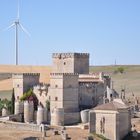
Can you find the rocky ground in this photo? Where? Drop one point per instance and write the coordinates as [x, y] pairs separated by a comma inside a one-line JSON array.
[[13, 134]]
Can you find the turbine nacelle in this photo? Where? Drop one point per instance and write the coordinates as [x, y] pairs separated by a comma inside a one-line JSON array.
[[16, 22]]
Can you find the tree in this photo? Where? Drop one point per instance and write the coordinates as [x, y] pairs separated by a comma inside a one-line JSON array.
[[48, 105], [13, 102]]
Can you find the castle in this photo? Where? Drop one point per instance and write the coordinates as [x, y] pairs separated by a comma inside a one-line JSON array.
[[71, 89]]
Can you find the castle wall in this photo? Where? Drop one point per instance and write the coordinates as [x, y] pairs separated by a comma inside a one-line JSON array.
[[29, 80], [81, 64], [91, 94], [87, 95], [71, 118], [21, 126]]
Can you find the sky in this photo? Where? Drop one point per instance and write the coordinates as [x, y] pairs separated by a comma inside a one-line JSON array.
[[107, 29]]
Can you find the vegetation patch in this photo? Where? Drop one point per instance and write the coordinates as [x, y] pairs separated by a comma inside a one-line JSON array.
[[30, 96], [120, 70], [99, 136]]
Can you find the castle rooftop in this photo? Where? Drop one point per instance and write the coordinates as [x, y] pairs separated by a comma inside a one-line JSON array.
[[113, 106]]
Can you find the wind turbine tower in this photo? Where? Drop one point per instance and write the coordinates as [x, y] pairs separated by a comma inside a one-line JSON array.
[[17, 25]]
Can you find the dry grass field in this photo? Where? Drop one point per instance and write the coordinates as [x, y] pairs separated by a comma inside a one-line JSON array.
[[6, 84], [130, 79], [43, 70]]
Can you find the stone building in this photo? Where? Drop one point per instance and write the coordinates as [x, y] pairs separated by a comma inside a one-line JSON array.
[[112, 120], [23, 82], [71, 87]]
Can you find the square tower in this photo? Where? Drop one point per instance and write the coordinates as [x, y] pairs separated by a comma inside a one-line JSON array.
[[71, 63], [64, 95], [64, 91], [23, 82]]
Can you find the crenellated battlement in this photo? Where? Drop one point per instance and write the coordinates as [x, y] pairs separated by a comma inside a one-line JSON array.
[[70, 55], [31, 74], [63, 74], [21, 75]]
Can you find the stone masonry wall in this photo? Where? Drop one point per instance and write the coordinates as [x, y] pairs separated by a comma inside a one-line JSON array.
[[71, 63]]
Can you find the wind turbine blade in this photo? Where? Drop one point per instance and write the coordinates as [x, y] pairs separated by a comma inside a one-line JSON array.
[[24, 30], [18, 11], [9, 26]]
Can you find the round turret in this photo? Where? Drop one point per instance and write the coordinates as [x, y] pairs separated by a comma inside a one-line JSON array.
[[4, 112], [45, 114], [85, 116], [19, 107], [28, 111], [57, 117], [40, 115]]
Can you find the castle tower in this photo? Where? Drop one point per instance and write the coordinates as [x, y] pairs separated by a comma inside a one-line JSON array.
[[64, 94], [71, 63], [22, 82]]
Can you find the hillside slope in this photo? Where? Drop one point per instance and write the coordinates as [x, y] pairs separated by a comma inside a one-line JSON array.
[[130, 79]]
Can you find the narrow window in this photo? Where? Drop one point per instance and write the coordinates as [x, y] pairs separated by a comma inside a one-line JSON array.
[[56, 98]]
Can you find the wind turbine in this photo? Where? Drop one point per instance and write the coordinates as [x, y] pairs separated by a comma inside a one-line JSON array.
[[17, 25]]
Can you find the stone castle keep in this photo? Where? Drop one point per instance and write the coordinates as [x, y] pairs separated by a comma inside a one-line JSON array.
[[71, 89]]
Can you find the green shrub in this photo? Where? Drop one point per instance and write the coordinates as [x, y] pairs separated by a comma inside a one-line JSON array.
[[26, 95], [119, 70], [5, 103]]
